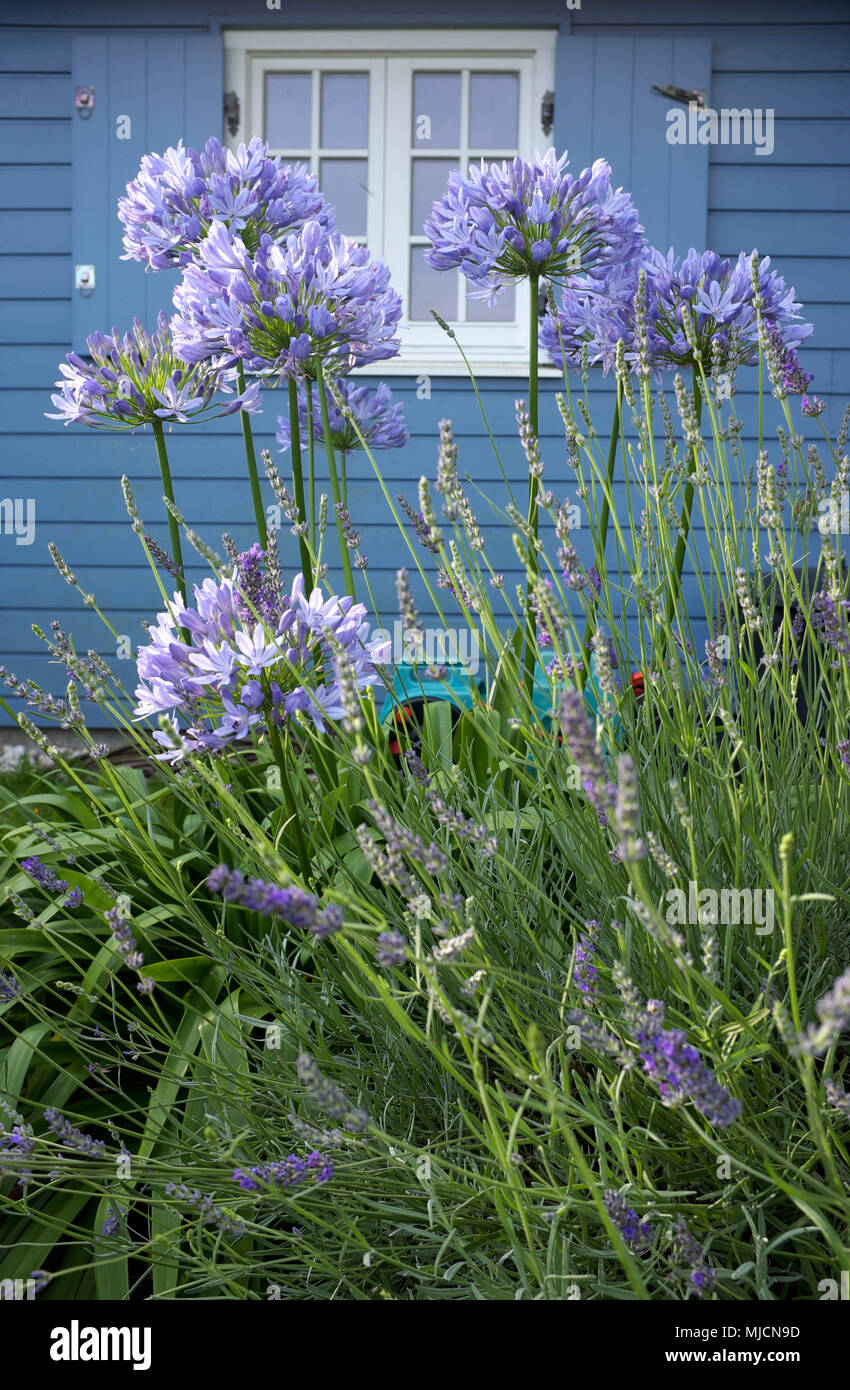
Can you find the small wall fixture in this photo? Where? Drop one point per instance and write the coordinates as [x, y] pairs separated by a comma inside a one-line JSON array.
[[84, 101], [680, 94], [547, 112], [231, 112], [84, 279]]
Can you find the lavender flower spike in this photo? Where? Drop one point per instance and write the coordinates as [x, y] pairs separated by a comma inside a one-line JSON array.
[[679, 1072], [833, 1012]]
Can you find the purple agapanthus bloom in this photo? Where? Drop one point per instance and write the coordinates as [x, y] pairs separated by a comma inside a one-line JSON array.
[[237, 674], [136, 379], [175, 197], [288, 308], [379, 420], [592, 317], [679, 1072], [508, 221], [720, 294]]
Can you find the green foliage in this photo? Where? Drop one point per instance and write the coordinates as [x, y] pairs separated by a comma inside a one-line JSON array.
[[504, 1098]]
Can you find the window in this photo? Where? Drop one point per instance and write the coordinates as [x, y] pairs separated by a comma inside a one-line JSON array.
[[381, 118]]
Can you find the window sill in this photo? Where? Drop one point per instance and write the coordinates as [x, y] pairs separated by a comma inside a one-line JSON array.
[[428, 366]]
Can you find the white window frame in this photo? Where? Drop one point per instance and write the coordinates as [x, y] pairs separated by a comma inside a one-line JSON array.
[[391, 56]]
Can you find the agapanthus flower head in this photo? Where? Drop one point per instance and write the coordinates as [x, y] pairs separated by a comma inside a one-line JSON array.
[[592, 316], [717, 293], [286, 308], [380, 421], [237, 673], [171, 203], [136, 379], [509, 221]]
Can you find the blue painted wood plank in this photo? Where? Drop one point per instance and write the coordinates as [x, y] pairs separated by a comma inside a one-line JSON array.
[[39, 186], [35, 277], [827, 46], [35, 53], [790, 94], [811, 142], [35, 142], [34, 232], [769, 187], [779, 233], [22, 95], [34, 321]]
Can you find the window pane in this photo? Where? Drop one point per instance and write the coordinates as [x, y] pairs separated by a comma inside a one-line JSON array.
[[431, 289], [288, 110], [430, 177], [345, 110], [436, 110], [343, 182], [503, 312], [493, 109]]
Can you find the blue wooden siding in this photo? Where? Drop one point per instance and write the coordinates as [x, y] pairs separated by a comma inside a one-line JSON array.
[[794, 205]]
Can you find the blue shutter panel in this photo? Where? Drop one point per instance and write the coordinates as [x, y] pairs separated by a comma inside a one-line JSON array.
[[170, 88], [605, 109]]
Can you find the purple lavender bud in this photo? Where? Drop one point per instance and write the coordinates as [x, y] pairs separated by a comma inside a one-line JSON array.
[[73, 1138], [328, 1097], [627, 1221], [44, 876], [392, 949]]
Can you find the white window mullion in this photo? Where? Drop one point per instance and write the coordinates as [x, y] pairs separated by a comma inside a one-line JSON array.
[[399, 106], [315, 118], [464, 168], [376, 161]]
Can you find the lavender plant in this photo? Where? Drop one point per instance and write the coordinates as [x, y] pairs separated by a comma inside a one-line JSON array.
[[553, 1003]]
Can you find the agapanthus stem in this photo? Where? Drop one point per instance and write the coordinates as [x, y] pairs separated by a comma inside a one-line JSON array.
[[533, 412], [311, 466], [685, 518], [251, 458], [604, 517], [298, 481], [335, 491], [533, 416], [173, 527], [286, 788]]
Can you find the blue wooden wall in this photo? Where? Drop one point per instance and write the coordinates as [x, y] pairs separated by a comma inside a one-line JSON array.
[[794, 205]]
